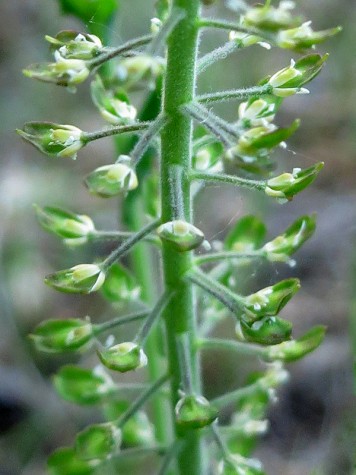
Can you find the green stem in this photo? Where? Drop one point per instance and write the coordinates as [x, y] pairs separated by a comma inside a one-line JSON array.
[[228, 179], [223, 255], [217, 54], [161, 304], [141, 400], [247, 349], [116, 322], [111, 53], [127, 245], [146, 138], [119, 129], [180, 315], [226, 25], [235, 94]]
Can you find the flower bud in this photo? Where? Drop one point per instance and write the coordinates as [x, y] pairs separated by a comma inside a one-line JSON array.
[[287, 185], [243, 40], [295, 349], [194, 412], [270, 300], [111, 180], [267, 331], [257, 112], [181, 235], [289, 81], [120, 285], [123, 357], [56, 336], [83, 386], [247, 235], [65, 224], [235, 464], [138, 68], [64, 72], [83, 279], [266, 17], [291, 240], [74, 45], [114, 108], [64, 461], [54, 140], [98, 442], [304, 37]]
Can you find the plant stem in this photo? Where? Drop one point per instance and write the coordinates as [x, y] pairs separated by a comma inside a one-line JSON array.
[[235, 94], [236, 346], [225, 25], [126, 245], [223, 255], [146, 138], [119, 129], [116, 322], [228, 179], [180, 315], [113, 52], [219, 53]]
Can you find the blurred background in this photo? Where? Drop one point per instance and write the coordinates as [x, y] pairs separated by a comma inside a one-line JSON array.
[[313, 427]]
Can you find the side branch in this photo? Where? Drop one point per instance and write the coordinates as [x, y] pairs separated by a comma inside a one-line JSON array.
[[120, 129], [228, 179], [235, 94]]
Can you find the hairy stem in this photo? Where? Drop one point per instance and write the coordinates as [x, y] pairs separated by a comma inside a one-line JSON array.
[[180, 315]]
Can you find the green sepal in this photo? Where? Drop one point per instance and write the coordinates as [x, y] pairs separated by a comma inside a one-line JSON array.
[[64, 461], [287, 185], [138, 431], [110, 180], [295, 349], [208, 156], [75, 45], [64, 224], [309, 66], [247, 234], [194, 412], [83, 386], [123, 357], [120, 285], [303, 37], [267, 331], [266, 17], [54, 140], [64, 72], [98, 441], [80, 279], [114, 107], [180, 235], [58, 336], [291, 240], [270, 300]]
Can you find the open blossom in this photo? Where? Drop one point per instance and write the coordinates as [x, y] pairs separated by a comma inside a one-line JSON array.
[[74, 45]]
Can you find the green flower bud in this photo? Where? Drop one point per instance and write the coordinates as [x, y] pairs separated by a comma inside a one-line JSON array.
[[138, 68], [65, 461], [287, 185], [123, 357], [74, 45], [181, 235], [304, 37], [138, 431], [267, 17], [114, 108], [83, 386], [67, 225], [111, 180], [83, 279], [247, 235], [98, 442], [235, 464], [54, 140], [295, 349], [289, 81], [267, 331], [194, 412], [57, 336], [64, 72], [270, 300], [257, 112], [244, 40], [280, 248], [120, 285]]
